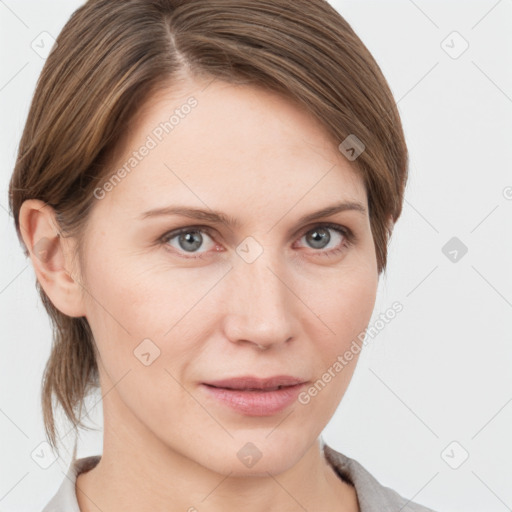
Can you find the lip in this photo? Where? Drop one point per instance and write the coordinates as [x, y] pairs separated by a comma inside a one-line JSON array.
[[250, 382], [253, 396]]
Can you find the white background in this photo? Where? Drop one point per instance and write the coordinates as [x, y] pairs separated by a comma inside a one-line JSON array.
[[441, 370]]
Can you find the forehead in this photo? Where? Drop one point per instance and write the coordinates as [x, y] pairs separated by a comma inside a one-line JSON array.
[[203, 140]]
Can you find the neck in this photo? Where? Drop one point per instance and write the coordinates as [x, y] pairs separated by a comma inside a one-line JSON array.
[[147, 476]]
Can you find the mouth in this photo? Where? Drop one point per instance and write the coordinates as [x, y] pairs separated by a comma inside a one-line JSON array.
[[253, 396], [249, 383]]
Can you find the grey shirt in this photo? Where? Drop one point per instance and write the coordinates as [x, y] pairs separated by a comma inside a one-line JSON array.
[[372, 496]]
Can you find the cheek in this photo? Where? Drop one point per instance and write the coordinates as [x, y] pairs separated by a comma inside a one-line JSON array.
[[135, 306], [130, 295], [130, 310], [347, 305]]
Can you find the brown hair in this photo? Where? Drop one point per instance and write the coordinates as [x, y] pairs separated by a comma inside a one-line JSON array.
[[111, 56]]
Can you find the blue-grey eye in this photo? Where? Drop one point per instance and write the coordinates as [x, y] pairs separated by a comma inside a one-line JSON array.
[[190, 240], [319, 237]]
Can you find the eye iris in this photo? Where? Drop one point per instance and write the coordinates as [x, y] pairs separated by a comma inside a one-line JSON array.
[[188, 238], [320, 238]]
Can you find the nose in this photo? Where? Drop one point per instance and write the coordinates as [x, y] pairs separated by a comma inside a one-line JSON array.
[[261, 309]]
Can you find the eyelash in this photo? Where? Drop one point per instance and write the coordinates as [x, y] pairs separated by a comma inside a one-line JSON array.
[[349, 239]]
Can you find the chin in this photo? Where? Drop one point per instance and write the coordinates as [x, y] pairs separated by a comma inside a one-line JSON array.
[[255, 453]]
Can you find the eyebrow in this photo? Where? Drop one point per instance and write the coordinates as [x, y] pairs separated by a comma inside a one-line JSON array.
[[221, 218]]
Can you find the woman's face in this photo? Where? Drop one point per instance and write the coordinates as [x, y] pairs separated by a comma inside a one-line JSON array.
[[264, 295]]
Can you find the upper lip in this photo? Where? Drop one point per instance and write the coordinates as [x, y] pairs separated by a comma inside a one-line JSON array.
[[249, 382]]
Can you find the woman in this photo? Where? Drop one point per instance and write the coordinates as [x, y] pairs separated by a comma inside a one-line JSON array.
[[206, 190]]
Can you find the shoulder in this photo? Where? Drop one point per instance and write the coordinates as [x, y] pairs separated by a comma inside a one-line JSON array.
[[372, 496], [65, 499]]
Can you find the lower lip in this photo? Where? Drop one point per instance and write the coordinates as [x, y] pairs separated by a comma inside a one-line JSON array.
[[256, 403]]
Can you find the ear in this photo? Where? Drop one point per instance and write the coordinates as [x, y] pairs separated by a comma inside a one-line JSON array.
[[51, 256]]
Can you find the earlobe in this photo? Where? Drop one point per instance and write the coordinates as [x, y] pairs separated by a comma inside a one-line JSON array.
[[50, 253]]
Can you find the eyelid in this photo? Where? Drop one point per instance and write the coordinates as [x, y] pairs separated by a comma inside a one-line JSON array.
[[344, 230]]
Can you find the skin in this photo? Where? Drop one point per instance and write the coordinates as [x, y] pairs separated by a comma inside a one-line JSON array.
[[261, 159]]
